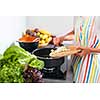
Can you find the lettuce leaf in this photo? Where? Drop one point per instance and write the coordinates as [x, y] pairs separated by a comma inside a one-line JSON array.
[[23, 57]]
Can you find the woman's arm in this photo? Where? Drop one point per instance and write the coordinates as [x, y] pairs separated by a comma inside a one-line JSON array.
[[68, 37], [95, 50], [87, 50]]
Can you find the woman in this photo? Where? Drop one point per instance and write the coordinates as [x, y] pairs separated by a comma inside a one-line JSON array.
[[86, 34]]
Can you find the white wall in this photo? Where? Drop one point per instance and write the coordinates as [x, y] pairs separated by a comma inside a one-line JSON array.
[[57, 25], [10, 29]]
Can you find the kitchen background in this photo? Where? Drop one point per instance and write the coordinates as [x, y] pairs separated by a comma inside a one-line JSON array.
[[10, 32], [11, 27]]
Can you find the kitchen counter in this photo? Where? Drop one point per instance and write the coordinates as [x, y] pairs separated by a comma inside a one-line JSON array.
[[68, 79]]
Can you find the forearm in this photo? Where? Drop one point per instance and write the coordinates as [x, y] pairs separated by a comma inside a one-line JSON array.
[[87, 50], [95, 50], [68, 37]]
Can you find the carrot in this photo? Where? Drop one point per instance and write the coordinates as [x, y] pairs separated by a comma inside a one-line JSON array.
[[27, 38]]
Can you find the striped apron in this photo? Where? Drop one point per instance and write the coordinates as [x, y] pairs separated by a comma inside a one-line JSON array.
[[87, 68]]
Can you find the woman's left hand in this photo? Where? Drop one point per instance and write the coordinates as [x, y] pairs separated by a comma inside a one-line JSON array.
[[84, 51]]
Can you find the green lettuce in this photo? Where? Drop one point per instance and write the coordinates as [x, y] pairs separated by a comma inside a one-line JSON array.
[[12, 64]]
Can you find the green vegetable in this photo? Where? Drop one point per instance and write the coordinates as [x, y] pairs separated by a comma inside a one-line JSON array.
[[37, 64], [1, 56], [12, 64], [23, 57], [19, 54], [11, 72]]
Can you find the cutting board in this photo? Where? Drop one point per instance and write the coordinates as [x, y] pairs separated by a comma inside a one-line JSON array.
[[70, 51]]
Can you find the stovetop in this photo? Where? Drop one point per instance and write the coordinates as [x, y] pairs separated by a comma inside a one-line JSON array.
[[54, 74]]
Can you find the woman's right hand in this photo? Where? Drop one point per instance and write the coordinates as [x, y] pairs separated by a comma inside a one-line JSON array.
[[58, 40]]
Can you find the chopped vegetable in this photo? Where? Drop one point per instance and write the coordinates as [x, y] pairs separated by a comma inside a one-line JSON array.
[[27, 38]]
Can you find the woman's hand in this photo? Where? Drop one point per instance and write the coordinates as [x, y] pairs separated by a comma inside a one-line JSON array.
[[83, 51], [58, 40], [68, 37]]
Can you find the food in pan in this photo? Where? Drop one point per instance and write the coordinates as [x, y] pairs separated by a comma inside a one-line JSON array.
[[63, 51]]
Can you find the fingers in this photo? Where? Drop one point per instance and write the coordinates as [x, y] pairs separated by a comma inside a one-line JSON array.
[[79, 54], [56, 41], [79, 47]]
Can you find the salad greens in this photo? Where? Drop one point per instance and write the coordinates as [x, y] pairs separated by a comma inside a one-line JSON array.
[[1, 56], [11, 72], [12, 64], [37, 63], [18, 54]]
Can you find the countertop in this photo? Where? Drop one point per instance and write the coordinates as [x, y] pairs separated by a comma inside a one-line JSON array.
[[68, 79]]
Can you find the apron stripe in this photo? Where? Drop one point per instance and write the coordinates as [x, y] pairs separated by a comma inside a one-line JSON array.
[[81, 68], [96, 43], [75, 65], [95, 75], [94, 61], [89, 68], [98, 62], [77, 71], [97, 72], [98, 78], [84, 31], [92, 71], [91, 28], [86, 68], [87, 31]]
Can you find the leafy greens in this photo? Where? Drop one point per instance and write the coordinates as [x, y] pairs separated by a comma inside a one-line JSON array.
[[12, 64]]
